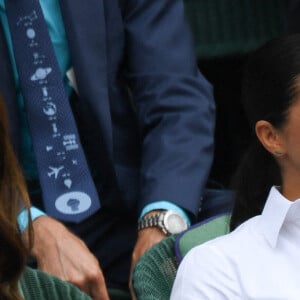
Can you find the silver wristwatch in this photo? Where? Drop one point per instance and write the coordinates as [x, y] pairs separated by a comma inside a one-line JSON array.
[[168, 221]]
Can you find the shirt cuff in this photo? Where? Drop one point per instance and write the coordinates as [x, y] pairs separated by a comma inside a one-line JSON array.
[[165, 205], [23, 218]]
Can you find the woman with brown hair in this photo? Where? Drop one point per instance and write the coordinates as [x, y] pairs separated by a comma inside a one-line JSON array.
[[13, 196], [16, 281]]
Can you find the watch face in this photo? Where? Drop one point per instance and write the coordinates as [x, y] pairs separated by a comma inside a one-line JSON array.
[[174, 222]]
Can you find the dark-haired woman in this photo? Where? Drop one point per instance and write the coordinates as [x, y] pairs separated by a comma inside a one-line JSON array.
[[16, 281], [260, 258]]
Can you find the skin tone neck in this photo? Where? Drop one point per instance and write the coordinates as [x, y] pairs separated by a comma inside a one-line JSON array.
[[291, 184], [289, 143]]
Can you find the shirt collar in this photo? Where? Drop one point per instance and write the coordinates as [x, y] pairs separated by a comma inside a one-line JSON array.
[[276, 212]]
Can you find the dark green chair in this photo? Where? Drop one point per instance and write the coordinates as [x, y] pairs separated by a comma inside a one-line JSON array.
[[117, 294], [234, 27]]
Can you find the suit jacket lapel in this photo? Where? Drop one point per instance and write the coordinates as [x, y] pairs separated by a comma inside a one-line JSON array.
[[86, 32]]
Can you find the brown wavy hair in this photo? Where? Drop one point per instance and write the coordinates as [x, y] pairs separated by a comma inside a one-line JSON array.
[[13, 197]]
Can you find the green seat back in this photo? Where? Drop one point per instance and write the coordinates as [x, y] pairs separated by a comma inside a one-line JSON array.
[[117, 294], [200, 233]]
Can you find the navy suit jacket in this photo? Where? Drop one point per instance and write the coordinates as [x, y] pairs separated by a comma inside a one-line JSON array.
[[148, 110]]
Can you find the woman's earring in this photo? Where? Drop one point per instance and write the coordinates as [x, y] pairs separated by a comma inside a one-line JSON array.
[[278, 152]]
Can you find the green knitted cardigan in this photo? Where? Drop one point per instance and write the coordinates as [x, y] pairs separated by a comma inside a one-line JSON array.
[[37, 285]]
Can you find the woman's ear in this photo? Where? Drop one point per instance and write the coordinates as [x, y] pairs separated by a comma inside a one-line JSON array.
[[269, 137]]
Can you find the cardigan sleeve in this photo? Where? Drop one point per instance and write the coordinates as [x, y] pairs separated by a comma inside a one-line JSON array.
[[37, 285]]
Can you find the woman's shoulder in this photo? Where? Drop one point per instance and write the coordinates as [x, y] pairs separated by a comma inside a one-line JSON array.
[[212, 270], [37, 285], [230, 244]]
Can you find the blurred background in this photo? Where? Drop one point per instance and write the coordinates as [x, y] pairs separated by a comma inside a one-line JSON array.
[[225, 32]]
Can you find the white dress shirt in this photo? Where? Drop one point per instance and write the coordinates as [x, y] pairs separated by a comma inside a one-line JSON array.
[[258, 260]]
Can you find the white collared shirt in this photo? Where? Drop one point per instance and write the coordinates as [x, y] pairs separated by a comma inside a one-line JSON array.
[[258, 260]]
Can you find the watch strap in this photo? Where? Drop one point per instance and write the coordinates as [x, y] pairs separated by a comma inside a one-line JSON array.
[[149, 221]]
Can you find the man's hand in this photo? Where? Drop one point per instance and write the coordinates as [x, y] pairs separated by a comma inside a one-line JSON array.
[[146, 238], [61, 253]]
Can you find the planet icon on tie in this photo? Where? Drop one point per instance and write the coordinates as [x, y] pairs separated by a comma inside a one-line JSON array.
[[49, 109], [30, 33], [40, 74]]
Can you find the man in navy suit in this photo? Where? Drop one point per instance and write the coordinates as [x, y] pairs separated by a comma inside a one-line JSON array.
[[146, 119]]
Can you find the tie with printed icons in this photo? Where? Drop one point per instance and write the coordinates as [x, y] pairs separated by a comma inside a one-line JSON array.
[[69, 193]]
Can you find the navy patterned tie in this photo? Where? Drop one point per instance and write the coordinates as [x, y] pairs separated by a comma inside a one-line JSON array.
[[68, 190]]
